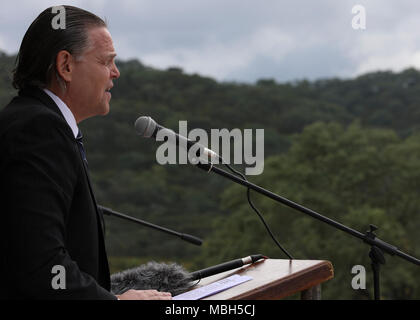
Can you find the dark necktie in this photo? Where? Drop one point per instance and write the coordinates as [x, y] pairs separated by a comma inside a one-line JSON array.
[[79, 140]]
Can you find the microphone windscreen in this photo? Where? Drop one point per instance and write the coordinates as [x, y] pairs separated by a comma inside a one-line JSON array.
[[145, 126], [163, 277]]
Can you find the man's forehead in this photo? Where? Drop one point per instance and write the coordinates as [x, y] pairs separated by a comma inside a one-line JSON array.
[[100, 39]]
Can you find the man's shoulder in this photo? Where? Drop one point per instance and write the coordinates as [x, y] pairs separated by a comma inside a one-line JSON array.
[[25, 107], [24, 112]]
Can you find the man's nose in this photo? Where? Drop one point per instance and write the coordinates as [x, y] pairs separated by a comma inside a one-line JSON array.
[[115, 73]]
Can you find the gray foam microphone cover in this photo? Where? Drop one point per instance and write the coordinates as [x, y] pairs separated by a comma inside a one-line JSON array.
[[145, 126], [170, 277]]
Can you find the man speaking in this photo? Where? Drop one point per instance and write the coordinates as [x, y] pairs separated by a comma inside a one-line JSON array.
[[50, 225]]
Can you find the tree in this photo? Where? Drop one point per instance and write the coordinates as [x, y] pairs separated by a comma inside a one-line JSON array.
[[353, 175]]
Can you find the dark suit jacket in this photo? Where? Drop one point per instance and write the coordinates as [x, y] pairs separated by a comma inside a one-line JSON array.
[[48, 215]]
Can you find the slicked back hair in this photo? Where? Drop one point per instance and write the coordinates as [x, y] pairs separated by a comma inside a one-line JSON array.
[[36, 61]]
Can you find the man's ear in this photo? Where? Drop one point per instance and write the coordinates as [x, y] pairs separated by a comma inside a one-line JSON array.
[[65, 65]]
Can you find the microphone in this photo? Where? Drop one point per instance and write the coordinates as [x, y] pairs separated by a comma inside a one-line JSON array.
[[170, 277], [225, 266], [147, 127]]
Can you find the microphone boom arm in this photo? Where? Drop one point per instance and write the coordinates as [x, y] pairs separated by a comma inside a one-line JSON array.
[[183, 236], [368, 238]]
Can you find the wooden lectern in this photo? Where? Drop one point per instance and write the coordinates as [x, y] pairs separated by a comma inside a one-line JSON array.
[[275, 279]]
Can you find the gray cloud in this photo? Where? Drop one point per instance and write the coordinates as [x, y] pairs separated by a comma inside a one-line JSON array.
[[245, 40]]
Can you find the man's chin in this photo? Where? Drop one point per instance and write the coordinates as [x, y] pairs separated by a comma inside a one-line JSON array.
[[105, 111]]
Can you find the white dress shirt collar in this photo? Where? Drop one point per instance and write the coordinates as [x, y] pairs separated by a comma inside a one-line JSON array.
[[68, 115]]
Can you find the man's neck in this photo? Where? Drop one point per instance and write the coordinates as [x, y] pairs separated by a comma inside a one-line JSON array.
[[65, 111]]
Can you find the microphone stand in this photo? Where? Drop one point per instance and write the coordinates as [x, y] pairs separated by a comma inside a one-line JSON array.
[[183, 236], [377, 246]]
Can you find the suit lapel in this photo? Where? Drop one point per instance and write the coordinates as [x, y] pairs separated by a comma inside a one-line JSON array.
[[99, 214], [46, 100]]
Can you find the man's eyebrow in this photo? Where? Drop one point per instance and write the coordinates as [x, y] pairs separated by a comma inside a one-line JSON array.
[[109, 55]]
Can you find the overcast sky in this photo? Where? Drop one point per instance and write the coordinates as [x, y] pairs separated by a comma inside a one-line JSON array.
[[244, 40]]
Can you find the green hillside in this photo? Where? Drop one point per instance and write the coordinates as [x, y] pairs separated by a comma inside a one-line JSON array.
[[346, 148]]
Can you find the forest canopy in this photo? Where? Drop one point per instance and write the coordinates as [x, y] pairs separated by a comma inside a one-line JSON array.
[[346, 148]]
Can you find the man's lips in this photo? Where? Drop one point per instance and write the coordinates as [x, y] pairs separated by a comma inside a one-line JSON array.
[[107, 91]]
